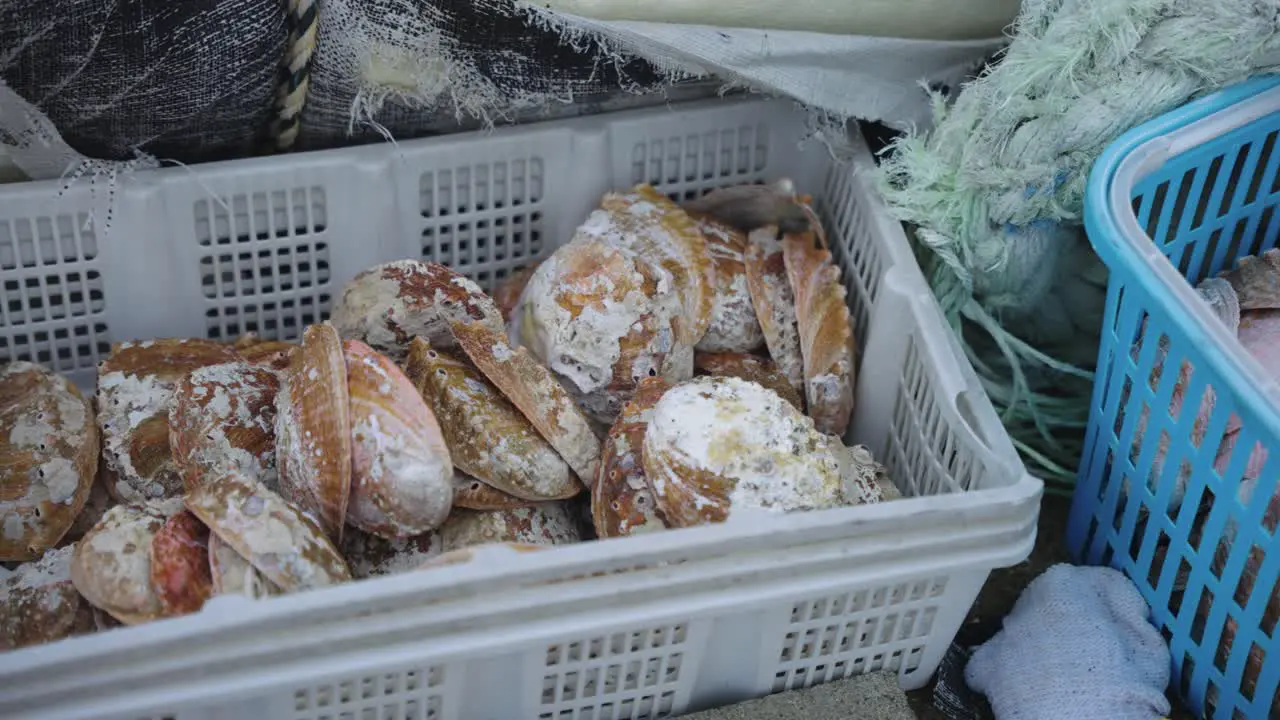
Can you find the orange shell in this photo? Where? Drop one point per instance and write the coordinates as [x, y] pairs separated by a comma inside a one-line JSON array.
[[734, 326], [135, 391], [402, 474], [180, 575], [753, 368], [826, 333], [622, 501], [313, 430], [39, 603], [601, 318], [223, 418], [654, 227], [531, 388], [388, 305], [111, 566], [48, 458], [488, 437], [278, 539], [774, 301]]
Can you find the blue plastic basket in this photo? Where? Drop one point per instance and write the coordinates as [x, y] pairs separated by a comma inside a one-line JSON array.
[[1172, 202]]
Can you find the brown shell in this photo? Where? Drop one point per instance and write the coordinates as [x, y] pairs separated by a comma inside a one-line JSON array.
[[135, 391], [658, 230], [595, 316], [223, 418], [753, 368], [542, 524], [39, 603], [313, 430], [388, 305], [488, 437], [507, 294], [775, 305], [48, 458], [531, 388], [467, 554], [111, 566], [1256, 280], [371, 556], [734, 326], [231, 574], [273, 354], [402, 474], [826, 333], [473, 494], [622, 501], [180, 573], [282, 542], [748, 207]]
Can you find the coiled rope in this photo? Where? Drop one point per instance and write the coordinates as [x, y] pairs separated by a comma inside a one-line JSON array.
[[295, 73]]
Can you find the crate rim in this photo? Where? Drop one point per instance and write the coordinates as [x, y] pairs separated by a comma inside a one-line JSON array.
[[1113, 230]]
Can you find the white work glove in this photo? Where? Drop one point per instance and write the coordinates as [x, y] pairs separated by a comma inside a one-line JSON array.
[[1077, 645]]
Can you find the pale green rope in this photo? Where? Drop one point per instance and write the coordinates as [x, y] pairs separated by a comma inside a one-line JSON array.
[[994, 191]]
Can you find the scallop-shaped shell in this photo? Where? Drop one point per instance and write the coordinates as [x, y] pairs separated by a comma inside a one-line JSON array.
[[278, 539], [372, 556], [542, 524], [754, 368], [313, 430], [507, 294], [473, 494], [39, 603], [734, 326], [111, 566], [48, 458], [488, 437], [388, 305], [651, 225], [231, 574], [716, 445], [826, 333], [402, 474], [622, 501], [532, 389], [467, 554], [601, 318], [180, 573], [135, 392], [222, 419], [775, 304]]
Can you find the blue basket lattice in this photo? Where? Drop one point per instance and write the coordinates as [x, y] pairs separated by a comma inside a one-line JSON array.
[[1180, 504]]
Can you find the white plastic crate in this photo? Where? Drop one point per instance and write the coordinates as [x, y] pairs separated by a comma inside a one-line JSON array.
[[641, 627]]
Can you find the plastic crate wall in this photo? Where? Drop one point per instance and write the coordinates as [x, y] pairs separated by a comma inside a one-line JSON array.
[[1171, 204], [790, 613]]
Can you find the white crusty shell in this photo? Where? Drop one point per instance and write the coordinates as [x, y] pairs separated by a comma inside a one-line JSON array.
[[543, 524], [48, 458], [111, 565], [719, 445], [39, 603]]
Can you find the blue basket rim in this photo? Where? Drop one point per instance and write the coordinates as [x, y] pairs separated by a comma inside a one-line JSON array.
[[1170, 292]]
